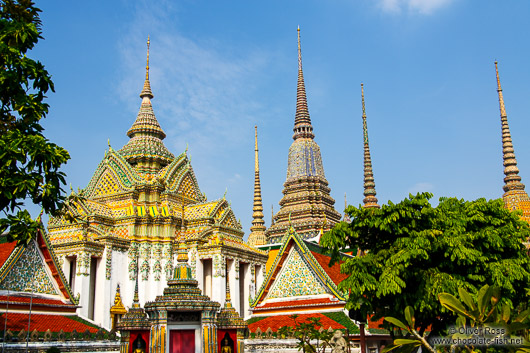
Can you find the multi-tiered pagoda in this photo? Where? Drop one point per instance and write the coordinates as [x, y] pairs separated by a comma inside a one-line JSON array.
[[306, 203]]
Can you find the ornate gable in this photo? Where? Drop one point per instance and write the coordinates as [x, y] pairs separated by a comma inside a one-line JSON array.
[[296, 279], [113, 175], [296, 256], [34, 269]]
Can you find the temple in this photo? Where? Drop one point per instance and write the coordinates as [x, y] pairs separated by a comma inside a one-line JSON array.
[[514, 197], [140, 199], [306, 204]]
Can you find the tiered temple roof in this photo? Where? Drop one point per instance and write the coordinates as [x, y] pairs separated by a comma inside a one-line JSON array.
[[306, 203]]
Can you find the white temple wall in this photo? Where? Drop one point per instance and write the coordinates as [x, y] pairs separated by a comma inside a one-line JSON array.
[[260, 274], [199, 274], [218, 279], [207, 276], [102, 300]]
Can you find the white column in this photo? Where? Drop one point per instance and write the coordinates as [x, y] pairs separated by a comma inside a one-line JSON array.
[[219, 280], [82, 282], [234, 284], [246, 276]]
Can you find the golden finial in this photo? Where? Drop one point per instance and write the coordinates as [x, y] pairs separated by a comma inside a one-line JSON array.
[[147, 66], [256, 163], [146, 91]]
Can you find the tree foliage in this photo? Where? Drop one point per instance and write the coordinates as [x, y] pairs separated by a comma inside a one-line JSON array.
[[483, 322], [309, 333], [29, 163], [414, 251]]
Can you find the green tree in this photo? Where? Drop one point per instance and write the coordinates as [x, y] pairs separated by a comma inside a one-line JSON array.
[[29, 163], [311, 339], [414, 251], [483, 325]]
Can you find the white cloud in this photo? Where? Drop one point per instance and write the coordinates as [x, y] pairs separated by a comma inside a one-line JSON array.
[[424, 7], [203, 88], [421, 187]]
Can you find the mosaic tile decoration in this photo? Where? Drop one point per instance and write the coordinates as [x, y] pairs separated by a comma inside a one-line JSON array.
[[295, 279], [29, 271]]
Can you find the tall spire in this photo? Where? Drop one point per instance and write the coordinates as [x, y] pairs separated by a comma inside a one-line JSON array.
[[306, 194], [302, 121], [257, 231], [369, 184], [145, 149], [146, 91], [512, 181]]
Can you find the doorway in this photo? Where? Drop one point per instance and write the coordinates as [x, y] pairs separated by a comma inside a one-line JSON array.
[[182, 341]]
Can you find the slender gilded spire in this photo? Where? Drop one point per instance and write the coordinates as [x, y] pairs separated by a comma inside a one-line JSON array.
[[136, 300], [369, 183], [512, 180], [302, 121], [346, 217], [146, 91], [257, 230]]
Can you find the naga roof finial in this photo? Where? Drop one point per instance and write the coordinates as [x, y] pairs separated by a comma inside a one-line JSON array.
[[369, 200]]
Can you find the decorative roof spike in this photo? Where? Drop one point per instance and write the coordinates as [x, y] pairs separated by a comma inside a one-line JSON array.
[[512, 180], [369, 200], [272, 215], [183, 226], [257, 230], [302, 121], [136, 300], [146, 91], [346, 217]]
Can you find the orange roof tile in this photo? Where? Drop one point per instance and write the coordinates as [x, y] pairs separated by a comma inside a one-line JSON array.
[[333, 271], [275, 322], [297, 303], [43, 322], [5, 250], [26, 300]]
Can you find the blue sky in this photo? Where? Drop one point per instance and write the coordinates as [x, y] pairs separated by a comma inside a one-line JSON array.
[[220, 67]]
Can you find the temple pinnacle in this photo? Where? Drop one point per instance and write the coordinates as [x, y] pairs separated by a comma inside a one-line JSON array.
[[136, 300], [302, 121], [146, 91], [369, 200], [512, 180], [257, 230]]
